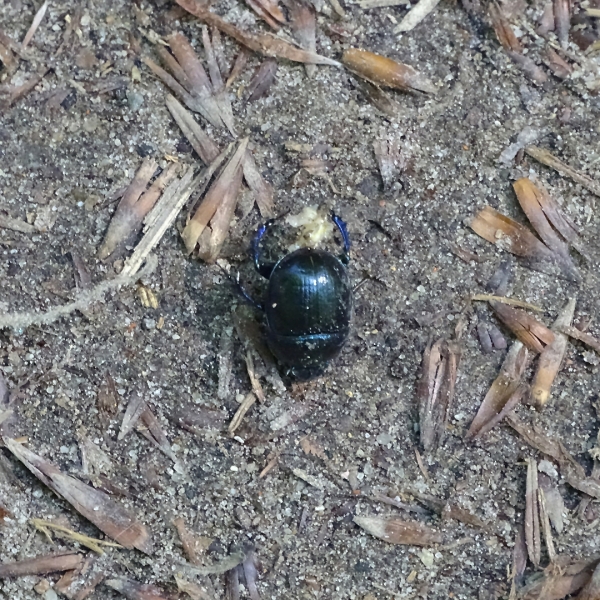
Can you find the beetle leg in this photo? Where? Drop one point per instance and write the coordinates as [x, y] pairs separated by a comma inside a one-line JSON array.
[[242, 290], [345, 257], [264, 269]]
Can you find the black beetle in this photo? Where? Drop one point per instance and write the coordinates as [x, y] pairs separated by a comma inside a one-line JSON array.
[[308, 305]]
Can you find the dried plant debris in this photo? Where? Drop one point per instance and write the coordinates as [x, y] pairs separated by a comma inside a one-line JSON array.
[[264, 44], [548, 159], [555, 506], [547, 219], [133, 590], [435, 391], [269, 11], [263, 191], [577, 334], [163, 215], [545, 525], [39, 15], [559, 67], [534, 334], [16, 225], [134, 206], [562, 21], [241, 412], [209, 152], [512, 46], [206, 149], [560, 579], [263, 78], [304, 23], [193, 590], [194, 546], [415, 15], [570, 469], [517, 239], [384, 71], [390, 159], [190, 82], [46, 527], [504, 394], [41, 565], [532, 517], [506, 36], [527, 136], [396, 531], [216, 209], [96, 506], [551, 358]]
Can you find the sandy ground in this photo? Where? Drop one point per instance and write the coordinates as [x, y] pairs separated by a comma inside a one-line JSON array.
[[61, 163]]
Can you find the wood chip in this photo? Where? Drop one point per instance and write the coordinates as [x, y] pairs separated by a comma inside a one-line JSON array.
[[396, 531], [415, 15], [435, 391], [548, 159], [570, 469], [551, 358], [534, 334], [96, 506], [263, 44], [504, 394], [41, 565], [384, 71]]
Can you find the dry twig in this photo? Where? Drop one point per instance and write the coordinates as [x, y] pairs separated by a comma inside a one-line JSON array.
[[548, 159], [41, 565]]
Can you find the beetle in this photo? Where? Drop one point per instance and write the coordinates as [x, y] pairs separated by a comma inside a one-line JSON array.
[[308, 304]]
